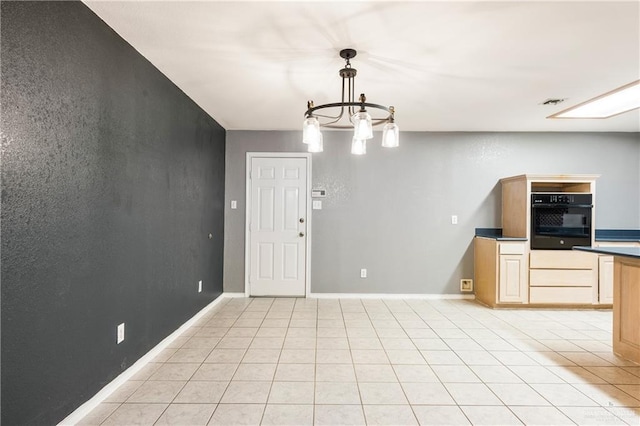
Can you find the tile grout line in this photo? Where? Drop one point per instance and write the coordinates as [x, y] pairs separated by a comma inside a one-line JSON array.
[[236, 368], [440, 381], [611, 375], [163, 363]]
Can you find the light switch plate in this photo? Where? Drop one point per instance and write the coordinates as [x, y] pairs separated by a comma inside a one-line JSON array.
[[234, 204], [317, 205], [120, 333]]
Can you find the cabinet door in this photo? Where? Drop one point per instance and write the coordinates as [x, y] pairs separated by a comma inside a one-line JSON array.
[[513, 279], [605, 279]]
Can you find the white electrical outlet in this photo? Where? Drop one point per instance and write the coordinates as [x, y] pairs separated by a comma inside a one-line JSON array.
[[200, 286], [120, 333], [363, 273], [466, 284], [454, 220]]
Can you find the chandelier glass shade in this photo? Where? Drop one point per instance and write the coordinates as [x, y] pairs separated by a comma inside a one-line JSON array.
[[390, 135], [311, 130], [349, 114]]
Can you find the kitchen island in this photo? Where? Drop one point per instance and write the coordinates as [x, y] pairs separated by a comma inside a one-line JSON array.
[[626, 299]]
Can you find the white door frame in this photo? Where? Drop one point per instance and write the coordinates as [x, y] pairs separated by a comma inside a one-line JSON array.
[[247, 213]]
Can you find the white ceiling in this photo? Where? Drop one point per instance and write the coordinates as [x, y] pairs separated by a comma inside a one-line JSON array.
[[445, 66]]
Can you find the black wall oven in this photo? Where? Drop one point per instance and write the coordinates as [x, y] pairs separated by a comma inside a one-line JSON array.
[[560, 221]]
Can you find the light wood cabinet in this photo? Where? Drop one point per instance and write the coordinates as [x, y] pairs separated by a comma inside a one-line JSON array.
[[605, 279], [626, 315], [516, 198], [561, 295], [605, 270], [508, 273], [563, 277], [512, 273], [551, 277], [500, 271], [561, 259]]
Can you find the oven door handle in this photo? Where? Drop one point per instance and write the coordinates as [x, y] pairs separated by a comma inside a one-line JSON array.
[[563, 206]]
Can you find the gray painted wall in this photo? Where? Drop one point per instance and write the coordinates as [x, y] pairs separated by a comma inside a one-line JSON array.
[[390, 210]]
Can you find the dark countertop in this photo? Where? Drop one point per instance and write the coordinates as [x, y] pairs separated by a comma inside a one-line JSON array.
[[602, 235], [633, 252], [495, 234]]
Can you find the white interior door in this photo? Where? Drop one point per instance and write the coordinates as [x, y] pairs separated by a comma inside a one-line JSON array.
[[277, 212]]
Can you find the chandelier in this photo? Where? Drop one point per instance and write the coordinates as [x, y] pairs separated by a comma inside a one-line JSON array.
[[334, 115]]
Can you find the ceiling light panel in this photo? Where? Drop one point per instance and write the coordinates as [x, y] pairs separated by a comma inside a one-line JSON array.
[[618, 101]]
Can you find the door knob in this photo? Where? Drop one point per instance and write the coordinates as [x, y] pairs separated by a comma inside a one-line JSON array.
[[301, 220], [301, 234]]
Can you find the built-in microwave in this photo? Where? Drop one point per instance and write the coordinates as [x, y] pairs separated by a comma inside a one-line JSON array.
[[560, 221]]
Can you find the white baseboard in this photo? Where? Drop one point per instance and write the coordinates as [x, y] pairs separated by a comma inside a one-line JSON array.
[[413, 296], [390, 296], [92, 403], [230, 295]]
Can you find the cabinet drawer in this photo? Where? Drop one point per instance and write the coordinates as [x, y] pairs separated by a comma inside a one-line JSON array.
[[511, 248], [562, 277], [560, 295], [561, 259]]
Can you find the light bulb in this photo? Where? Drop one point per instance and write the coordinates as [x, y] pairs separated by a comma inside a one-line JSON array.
[[358, 146], [316, 146]]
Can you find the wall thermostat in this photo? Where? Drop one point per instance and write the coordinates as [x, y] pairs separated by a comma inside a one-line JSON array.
[[315, 193]]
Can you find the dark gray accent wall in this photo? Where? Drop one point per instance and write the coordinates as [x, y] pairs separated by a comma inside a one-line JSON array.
[[112, 179], [390, 210]]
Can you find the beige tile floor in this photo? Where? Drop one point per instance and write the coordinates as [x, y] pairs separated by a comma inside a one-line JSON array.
[[382, 362]]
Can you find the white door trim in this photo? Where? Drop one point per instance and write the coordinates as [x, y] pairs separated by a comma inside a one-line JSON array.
[[247, 214]]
